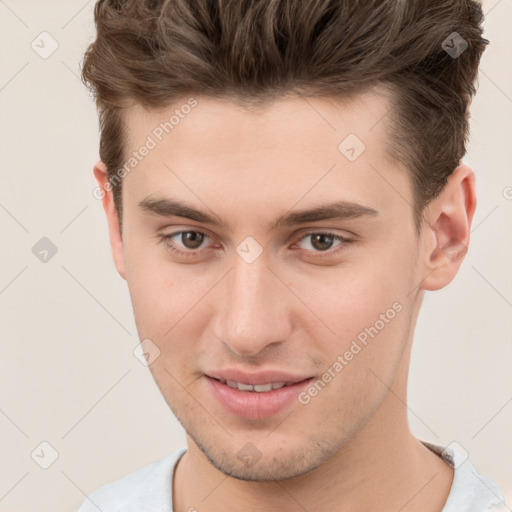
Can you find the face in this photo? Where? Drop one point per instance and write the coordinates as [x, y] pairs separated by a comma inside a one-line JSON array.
[[252, 292]]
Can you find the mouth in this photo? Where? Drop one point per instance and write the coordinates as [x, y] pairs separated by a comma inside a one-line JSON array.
[[258, 396]]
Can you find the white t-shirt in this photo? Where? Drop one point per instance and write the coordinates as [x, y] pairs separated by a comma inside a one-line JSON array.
[[149, 489]]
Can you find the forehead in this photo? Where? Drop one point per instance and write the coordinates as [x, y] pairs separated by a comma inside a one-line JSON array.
[[288, 149], [290, 121]]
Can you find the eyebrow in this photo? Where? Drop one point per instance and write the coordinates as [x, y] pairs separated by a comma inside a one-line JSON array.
[[339, 210]]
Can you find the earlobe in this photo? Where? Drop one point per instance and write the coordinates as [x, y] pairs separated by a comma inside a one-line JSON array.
[[116, 242], [449, 218]]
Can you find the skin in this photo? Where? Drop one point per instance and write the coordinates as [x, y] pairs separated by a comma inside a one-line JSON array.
[[350, 447]]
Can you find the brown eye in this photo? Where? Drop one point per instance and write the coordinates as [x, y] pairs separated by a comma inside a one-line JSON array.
[[323, 244], [185, 243], [191, 239], [322, 241]]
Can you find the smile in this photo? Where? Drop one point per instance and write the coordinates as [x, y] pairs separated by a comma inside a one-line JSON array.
[[258, 388]]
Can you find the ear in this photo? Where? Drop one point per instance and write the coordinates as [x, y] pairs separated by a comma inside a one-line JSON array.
[[116, 242], [448, 219]]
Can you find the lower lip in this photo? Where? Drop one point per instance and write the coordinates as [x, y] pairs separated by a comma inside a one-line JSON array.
[[251, 404]]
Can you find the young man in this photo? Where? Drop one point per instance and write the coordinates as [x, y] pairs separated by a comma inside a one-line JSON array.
[[282, 181]]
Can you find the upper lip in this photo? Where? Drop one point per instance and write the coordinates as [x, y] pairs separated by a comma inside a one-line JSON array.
[[262, 377]]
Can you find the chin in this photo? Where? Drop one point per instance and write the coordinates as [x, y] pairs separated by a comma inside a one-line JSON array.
[[250, 464]]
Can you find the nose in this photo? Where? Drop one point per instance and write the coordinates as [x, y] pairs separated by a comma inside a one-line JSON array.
[[253, 313]]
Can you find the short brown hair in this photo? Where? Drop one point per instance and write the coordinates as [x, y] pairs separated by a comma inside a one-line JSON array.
[[425, 52]]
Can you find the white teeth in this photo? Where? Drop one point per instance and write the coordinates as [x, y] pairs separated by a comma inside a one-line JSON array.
[[262, 387], [259, 388]]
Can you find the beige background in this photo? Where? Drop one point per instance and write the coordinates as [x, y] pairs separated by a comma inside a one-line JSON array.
[[68, 374]]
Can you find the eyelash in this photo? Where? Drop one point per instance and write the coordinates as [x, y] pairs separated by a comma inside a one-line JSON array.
[[319, 254]]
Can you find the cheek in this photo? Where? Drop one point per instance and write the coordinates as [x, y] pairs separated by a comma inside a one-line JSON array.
[[356, 297], [360, 364], [367, 307], [154, 295], [168, 299], [370, 334]]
